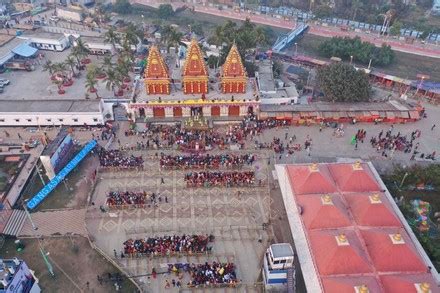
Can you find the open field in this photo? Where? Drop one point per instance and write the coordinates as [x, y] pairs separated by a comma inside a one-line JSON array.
[[404, 66], [74, 263]]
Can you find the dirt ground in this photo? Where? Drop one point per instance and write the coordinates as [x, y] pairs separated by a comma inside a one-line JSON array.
[[72, 194], [404, 66], [74, 263]]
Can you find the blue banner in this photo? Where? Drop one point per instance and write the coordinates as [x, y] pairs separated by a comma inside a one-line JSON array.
[[44, 192]]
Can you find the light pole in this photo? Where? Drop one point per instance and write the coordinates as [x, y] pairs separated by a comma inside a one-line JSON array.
[[351, 59], [296, 49], [369, 64], [403, 179], [29, 215]]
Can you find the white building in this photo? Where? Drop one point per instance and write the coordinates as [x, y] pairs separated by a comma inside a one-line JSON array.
[[47, 41], [15, 276], [54, 112]]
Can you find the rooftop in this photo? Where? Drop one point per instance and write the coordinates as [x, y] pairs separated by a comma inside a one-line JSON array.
[[8, 268], [42, 35], [338, 107], [44, 106], [266, 81], [281, 250], [348, 231]]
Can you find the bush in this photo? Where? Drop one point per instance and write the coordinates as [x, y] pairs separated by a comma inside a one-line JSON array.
[[361, 51]]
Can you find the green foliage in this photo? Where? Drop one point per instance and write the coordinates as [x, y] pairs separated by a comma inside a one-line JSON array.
[[395, 28], [340, 82], [213, 61], [251, 68], [165, 11], [323, 11], [277, 68], [361, 51], [122, 7]]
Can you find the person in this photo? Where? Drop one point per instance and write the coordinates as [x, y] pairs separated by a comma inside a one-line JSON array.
[[433, 126], [162, 181]]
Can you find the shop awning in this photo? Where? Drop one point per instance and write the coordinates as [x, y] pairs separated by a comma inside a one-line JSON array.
[[24, 50]]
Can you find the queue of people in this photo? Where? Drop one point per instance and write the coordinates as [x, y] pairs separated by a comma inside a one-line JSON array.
[[133, 198], [206, 161], [168, 245], [116, 159], [207, 275], [225, 179]]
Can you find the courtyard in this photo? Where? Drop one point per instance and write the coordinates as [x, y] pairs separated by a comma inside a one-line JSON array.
[[234, 216]]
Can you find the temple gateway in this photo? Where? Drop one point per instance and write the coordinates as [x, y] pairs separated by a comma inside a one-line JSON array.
[[177, 87]]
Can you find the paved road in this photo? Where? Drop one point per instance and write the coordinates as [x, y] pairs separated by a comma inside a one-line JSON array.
[[416, 48]]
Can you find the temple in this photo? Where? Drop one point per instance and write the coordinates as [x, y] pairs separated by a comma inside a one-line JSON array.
[[234, 77], [157, 79], [195, 73]]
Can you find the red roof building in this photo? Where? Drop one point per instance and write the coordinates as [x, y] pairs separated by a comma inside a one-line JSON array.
[[323, 211], [355, 177], [371, 209], [349, 234], [234, 76], [311, 179], [195, 73], [157, 79]]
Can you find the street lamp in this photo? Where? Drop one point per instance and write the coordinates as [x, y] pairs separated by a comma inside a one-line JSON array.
[[29, 215], [296, 49], [351, 59]]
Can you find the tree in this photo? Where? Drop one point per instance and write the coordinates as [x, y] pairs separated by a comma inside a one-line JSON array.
[[323, 11], [133, 34], [112, 80], [71, 62], [341, 82], [112, 37], [122, 7], [362, 52], [395, 28], [48, 66], [165, 11], [91, 81], [277, 68], [213, 61]]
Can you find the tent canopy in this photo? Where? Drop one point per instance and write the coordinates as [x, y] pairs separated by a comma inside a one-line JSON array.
[[24, 50]]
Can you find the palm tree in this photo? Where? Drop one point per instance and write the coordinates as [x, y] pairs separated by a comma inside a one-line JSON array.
[[133, 34], [112, 80], [81, 46], [107, 63], [91, 81], [71, 62], [48, 66], [112, 37]]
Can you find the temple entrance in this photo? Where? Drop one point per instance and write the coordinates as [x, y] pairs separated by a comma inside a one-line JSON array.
[[250, 110], [196, 111], [159, 112], [142, 112], [234, 111], [215, 111], [177, 111]]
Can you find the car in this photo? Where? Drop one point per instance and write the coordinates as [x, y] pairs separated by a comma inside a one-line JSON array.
[[54, 18], [4, 81]]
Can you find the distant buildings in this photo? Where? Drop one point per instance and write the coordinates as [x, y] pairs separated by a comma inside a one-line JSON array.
[[16, 277]]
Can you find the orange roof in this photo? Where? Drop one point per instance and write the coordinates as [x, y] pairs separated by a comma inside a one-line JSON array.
[[408, 283], [335, 259], [156, 67], [392, 257], [372, 209], [348, 284], [340, 199], [194, 63], [311, 179], [319, 214], [233, 66], [355, 177]]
